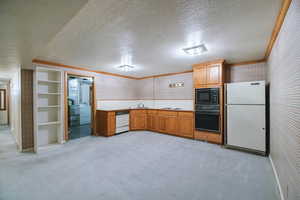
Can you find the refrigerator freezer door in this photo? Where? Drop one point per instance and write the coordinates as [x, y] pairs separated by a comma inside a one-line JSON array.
[[246, 126], [246, 93]]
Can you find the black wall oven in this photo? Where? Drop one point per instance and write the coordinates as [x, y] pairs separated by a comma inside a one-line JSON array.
[[207, 121], [207, 115]]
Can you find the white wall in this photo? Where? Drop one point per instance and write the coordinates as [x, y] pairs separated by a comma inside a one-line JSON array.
[[152, 92], [284, 77], [244, 73]]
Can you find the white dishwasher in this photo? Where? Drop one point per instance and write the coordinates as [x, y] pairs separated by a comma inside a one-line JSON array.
[[122, 122]]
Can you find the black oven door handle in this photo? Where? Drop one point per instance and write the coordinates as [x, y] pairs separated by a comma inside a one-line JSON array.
[[207, 113]]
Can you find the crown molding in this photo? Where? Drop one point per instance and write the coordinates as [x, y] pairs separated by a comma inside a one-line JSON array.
[[167, 74], [49, 63], [278, 24]]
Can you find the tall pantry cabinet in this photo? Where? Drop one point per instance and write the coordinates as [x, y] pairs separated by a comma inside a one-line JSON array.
[[211, 75]]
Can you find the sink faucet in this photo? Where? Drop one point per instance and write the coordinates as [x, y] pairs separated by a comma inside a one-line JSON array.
[[141, 105]]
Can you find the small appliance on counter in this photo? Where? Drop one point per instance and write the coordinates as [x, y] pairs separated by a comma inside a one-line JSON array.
[[207, 110], [245, 115]]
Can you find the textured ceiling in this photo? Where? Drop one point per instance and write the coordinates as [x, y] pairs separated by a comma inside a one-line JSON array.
[[28, 25], [154, 33], [96, 34]]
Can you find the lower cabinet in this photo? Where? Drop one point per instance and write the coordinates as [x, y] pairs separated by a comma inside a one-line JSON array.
[[105, 123], [152, 120], [167, 122], [138, 120], [208, 136], [172, 123], [186, 124], [162, 124], [179, 123]]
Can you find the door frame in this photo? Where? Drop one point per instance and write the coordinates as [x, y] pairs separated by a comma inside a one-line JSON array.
[[66, 74], [7, 100]]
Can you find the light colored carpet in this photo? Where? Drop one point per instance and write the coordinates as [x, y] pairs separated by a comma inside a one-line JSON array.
[[137, 166], [8, 147]]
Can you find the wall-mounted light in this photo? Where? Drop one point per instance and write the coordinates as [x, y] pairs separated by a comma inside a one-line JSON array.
[[126, 68], [176, 85], [195, 50]]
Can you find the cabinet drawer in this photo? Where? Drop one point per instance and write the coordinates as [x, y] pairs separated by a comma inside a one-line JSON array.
[[153, 112], [167, 113], [186, 114], [214, 138], [138, 112], [200, 135]]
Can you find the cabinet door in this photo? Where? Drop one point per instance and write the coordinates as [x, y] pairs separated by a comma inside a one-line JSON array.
[[151, 122], [142, 121], [133, 121], [111, 126], [161, 123], [171, 124], [138, 120], [200, 76], [186, 126], [213, 76]]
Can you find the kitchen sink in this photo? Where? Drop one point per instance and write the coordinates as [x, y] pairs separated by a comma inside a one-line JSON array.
[[169, 108]]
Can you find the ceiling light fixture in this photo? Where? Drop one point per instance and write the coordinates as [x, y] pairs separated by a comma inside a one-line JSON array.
[[195, 50], [126, 68]]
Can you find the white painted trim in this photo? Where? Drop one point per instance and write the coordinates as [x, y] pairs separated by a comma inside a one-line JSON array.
[[277, 178]]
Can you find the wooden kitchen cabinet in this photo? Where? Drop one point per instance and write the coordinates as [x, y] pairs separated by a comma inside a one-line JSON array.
[[105, 123], [168, 122], [213, 74], [208, 74], [199, 75], [152, 120], [162, 124], [179, 123], [138, 120], [186, 124]]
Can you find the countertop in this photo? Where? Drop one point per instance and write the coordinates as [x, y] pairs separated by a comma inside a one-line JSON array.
[[128, 109]]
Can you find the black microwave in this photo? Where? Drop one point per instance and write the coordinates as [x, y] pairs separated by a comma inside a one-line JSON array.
[[207, 96]]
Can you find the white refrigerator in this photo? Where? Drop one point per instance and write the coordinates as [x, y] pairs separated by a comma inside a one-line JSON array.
[[246, 116]]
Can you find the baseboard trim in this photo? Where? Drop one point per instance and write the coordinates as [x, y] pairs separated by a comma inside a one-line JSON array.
[[28, 150], [277, 178]]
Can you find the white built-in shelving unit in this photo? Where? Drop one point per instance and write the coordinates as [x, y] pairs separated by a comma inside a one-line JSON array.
[[48, 107]]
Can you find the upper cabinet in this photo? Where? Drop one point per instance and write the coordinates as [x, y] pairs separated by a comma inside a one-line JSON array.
[[208, 74], [200, 76]]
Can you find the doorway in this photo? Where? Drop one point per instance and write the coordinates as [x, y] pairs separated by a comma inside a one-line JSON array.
[[4, 103], [80, 106]]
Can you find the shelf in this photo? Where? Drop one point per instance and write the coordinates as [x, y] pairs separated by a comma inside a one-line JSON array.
[[49, 116], [45, 107], [48, 81], [48, 123], [41, 93]]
